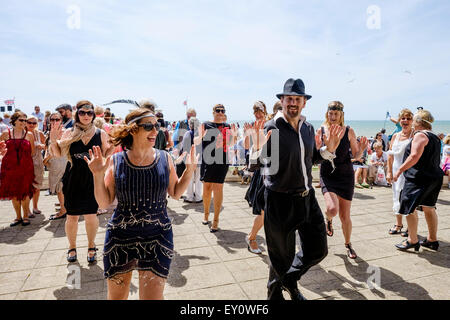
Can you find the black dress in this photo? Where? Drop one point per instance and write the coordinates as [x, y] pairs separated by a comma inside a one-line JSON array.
[[341, 181], [214, 166], [255, 193], [423, 181], [78, 185]]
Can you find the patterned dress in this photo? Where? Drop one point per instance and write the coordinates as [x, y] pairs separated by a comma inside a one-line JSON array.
[[139, 235]]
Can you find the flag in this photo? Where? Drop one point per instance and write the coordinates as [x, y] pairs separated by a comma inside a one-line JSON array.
[[9, 102], [185, 103]]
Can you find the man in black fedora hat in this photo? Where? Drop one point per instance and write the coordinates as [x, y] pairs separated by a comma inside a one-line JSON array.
[[290, 203]]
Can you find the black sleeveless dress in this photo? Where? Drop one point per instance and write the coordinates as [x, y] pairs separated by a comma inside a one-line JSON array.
[[423, 181], [341, 181], [78, 185], [214, 166]]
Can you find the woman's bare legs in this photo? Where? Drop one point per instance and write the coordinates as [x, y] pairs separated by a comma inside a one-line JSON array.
[[151, 286], [119, 286]]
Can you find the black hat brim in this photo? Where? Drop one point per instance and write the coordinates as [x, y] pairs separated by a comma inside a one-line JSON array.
[[294, 94]]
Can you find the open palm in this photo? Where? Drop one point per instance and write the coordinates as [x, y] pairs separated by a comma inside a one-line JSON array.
[[96, 163]]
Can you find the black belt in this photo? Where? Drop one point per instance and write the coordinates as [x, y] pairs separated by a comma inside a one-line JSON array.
[[302, 194]]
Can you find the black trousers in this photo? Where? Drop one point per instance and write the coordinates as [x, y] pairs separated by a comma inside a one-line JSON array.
[[283, 215]]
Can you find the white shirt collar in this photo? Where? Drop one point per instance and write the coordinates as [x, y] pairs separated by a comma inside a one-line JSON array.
[[280, 114]]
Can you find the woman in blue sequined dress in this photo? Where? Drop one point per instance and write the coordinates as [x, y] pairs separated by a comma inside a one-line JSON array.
[[139, 234]]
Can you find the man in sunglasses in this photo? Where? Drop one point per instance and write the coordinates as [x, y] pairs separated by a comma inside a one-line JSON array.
[[66, 112]]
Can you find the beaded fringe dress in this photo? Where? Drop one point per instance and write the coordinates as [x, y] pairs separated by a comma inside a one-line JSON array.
[[139, 234]]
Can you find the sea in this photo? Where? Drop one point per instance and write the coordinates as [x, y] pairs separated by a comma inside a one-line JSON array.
[[369, 128]]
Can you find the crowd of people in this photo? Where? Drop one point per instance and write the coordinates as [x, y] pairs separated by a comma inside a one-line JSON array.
[[98, 163]]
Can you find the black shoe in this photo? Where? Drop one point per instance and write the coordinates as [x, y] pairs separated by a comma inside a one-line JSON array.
[[405, 245], [275, 294], [92, 259], [187, 201], [404, 233], [25, 222], [295, 294], [16, 223], [433, 245], [72, 258]]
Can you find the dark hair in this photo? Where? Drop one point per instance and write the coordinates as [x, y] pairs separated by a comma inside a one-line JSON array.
[[16, 116], [84, 104], [64, 106]]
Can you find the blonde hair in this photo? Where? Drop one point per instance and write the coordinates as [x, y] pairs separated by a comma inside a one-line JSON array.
[[377, 145], [99, 122], [331, 105], [424, 119], [446, 140], [405, 112], [99, 110]]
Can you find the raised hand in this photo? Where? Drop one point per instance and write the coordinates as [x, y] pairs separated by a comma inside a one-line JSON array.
[[333, 138], [362, 144], [56, 133], [191, 160], [259, 138], [318, 139], [97, 164]]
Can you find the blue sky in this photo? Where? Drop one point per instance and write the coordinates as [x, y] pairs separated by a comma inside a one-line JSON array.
[[230, 52]]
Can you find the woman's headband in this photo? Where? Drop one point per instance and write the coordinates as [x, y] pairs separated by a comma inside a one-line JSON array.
[[148, 115], [338, 108]]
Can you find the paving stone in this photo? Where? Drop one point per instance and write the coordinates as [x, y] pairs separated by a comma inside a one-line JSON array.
[[218, 265]]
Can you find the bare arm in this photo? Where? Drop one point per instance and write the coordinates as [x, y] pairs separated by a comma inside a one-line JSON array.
[[390, 160], [30, 138], [357, 147], [103, 173], [417, 146]]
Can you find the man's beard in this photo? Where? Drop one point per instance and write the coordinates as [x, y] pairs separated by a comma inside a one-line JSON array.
[[293, 113]]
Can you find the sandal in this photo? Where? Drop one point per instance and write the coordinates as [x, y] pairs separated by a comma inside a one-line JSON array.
[[404, 233], [56, 217], [92, 259], [365, 185], [72, 258], [16, 223], [359, 186], [330, 230], [25, 222], [350, 252], [395, 230], [248, 241], [212, 229]]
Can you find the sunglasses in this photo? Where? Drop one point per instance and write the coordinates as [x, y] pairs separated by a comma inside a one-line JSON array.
[[22, 120], [220, 111], [86, 113], [149, 126], [53, 120], [33, 123]]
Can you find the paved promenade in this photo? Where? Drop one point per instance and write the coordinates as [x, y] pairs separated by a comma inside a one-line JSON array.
[[218, 266]]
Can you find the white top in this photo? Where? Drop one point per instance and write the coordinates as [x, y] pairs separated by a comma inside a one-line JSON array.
[[40, 116], [383, 158]]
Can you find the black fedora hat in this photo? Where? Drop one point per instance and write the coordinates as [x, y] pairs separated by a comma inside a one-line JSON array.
[[294, 88]]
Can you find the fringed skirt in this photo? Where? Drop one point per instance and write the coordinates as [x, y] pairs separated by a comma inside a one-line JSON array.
[[142, 246]]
